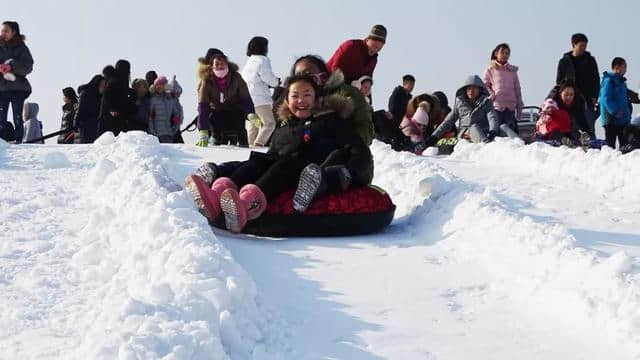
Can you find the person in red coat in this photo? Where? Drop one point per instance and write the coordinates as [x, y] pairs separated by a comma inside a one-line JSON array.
[[357, 58]]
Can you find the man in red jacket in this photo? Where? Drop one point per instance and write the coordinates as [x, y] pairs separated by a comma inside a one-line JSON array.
[[357, 58]]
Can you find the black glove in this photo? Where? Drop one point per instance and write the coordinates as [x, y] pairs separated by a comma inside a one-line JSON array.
[[491, 136], [428, 142]]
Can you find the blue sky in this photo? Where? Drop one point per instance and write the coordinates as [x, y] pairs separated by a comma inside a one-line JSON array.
[[439, 42]]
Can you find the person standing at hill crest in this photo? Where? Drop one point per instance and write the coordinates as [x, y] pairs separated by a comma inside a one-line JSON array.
[[359, 57]]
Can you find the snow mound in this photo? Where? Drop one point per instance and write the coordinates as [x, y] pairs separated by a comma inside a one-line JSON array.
[[166, 287], [55, 160], [606, 170], [409, 179], [552, 281], [538, 265]]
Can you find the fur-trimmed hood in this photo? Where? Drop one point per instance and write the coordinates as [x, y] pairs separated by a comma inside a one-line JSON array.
[[205, 71], [494, 64], [337, 103]]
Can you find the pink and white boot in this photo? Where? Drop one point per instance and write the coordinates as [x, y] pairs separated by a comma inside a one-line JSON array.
[[207, 198], [238, 208]]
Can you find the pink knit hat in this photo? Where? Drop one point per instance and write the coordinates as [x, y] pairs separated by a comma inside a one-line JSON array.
[[421, 116], [162, 80], [549, 104]]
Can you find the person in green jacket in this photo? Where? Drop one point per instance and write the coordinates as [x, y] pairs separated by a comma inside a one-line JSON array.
[[334, 84]]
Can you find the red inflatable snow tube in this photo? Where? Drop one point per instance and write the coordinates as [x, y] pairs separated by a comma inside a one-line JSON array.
[[357, 211]]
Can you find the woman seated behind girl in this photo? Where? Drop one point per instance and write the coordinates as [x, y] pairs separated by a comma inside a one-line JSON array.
[[314, 148]]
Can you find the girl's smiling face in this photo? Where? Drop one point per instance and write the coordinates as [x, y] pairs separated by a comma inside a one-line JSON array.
[[301, 98]]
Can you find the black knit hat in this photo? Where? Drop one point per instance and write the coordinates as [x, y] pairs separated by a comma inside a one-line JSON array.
[[378, 32], [211, 53], [70, 94]]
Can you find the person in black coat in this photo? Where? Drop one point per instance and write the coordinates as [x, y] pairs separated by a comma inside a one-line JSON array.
[[16, 63], [86, 117], [68, 115], [580, 67], [387, 124], [118, 101], [400, 97], [314, 147]]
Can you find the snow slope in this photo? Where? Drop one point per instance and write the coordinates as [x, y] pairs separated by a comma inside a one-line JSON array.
[[500, 250]]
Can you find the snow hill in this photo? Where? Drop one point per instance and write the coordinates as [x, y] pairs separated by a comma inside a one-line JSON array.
[[496, 252]]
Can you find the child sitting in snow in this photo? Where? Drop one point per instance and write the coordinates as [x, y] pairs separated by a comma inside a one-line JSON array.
[[421, 118], [314, 147], [414, 126], [554, 124], [32, 126]]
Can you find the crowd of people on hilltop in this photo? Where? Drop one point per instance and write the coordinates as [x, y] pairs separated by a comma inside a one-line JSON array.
[[236, 105], [111, 102]]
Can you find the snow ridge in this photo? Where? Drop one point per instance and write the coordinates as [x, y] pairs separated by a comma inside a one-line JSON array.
[[165, 286], [537, 265], [607, 171]]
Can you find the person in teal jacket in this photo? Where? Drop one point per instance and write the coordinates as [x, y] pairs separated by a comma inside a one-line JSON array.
[[614, 102]]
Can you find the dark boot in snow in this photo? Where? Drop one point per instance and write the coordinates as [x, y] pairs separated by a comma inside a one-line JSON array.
[[311, 183], [208, 172], [315, 181], [338, 178], [238, 208]]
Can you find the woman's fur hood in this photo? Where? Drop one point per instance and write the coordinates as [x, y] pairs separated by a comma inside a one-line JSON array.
[[332, 103], [205, 71]]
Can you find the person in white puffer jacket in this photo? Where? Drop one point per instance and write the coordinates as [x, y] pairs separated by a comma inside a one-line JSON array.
[[259, 77]]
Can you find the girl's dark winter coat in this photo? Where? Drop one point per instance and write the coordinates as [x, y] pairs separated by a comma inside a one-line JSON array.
[[323, 136]]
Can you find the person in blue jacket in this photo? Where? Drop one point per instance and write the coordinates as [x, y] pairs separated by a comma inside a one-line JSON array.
[[614, 102]]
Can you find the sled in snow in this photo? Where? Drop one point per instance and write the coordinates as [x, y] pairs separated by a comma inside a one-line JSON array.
[[357, 211]]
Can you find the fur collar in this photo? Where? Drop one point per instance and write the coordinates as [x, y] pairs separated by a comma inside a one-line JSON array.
[[205, 71], [333, 103]]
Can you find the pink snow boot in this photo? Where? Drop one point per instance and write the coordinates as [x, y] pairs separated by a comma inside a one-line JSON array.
[[238, 208], [207, 198]]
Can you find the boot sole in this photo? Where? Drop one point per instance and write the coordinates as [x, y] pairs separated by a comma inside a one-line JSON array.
[[308, 186], [198, 198], [229, 206]]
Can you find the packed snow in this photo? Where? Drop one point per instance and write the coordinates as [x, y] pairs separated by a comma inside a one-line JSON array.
[[499, 250]]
